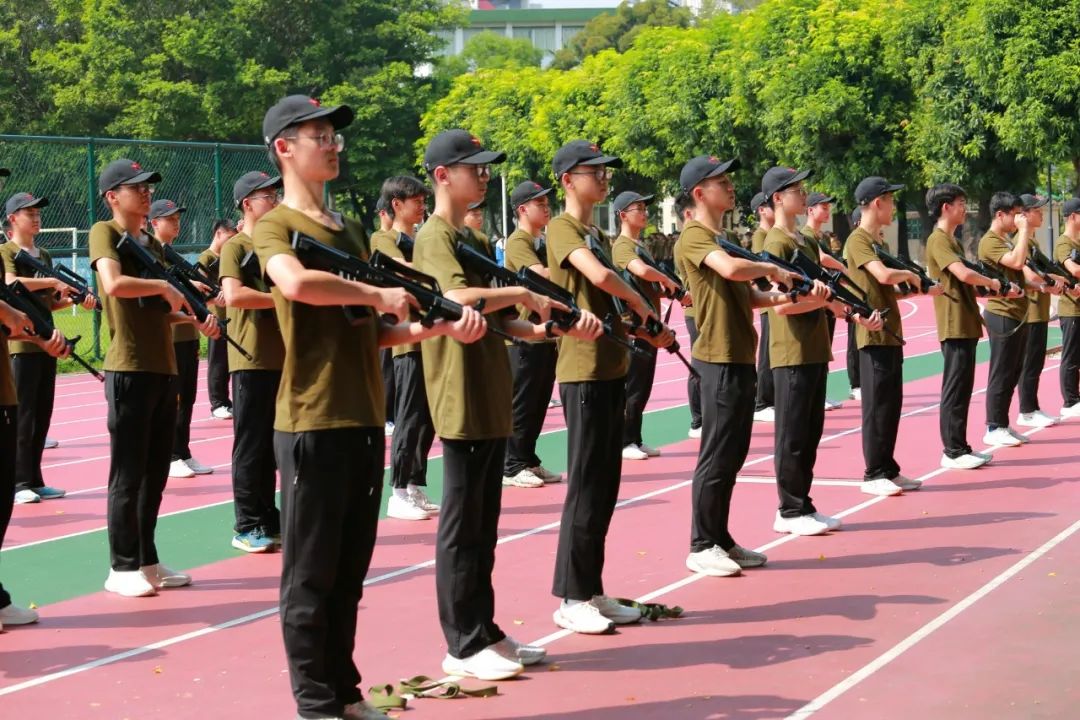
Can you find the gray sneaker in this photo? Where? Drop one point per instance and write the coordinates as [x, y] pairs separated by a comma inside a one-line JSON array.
[[746, 558]]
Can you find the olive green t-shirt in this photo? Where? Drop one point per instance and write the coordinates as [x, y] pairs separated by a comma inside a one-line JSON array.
[[8, 251], [185, 331], [724, 314], [583, 360], [680, 271], [256, 331], [757, 240], [469, 386], [385, 241], [140, 337], [860, 252], [1068, 306], [991, 249], [1038, 307], [520, 252], [801, 339], [7, 379], [206, 258], [331, 377], [623, 252], [957, 319]]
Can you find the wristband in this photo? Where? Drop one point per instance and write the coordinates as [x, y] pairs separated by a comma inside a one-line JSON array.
[[549, 327]]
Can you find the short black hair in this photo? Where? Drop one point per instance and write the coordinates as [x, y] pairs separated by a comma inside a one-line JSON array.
[[401, 187], [941, 194], [1003, 201], [682, 202], [222, 224]]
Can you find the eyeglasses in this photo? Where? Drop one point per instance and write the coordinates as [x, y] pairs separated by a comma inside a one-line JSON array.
[[601, 174], [797, 189], [483, 172], [140, 188], [273, 199], [324, 140]]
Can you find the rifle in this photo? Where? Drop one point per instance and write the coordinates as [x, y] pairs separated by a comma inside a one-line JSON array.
[[1044, 267], [154, 269], [58, 272], [251, 273], [470, 257], [680, 291], [803, 284], [193, 272], [406, 245], [895, 263], [385, 272], [991, 274], [22, 299]]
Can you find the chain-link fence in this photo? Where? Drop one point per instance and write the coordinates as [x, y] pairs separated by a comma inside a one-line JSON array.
[[197, 176]]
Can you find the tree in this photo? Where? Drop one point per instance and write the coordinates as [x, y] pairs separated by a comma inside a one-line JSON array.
[[617, 30], [491, 51]]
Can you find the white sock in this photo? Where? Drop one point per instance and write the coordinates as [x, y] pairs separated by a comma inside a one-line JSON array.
[[413, 488], [567, 602], [401, 493]]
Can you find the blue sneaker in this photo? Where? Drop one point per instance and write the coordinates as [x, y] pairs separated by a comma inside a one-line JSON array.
[[254, 541], [49, 493]]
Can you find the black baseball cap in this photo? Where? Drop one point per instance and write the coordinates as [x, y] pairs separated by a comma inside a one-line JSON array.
[[527, 191], [124, 172], [627, 198], [874, 187], [21, 201], [295, 109], [478, 204], [249, 182], [580, 152], [781, 178], [452, 147], [164, 208], [757, 201], [1030, 202], [817, 198], [704, 167], [1072, 205]]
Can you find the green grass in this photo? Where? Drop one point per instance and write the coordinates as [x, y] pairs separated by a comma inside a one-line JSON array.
[[81, 323]]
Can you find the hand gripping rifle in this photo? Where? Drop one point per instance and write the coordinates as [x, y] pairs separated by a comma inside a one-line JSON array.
[[680, 291], [194, 272], [1044, 267], [802, 285], [385, 272], [895, 263], [31, 264], [470, 257], [991, 274], [22, 299], [153, 269]]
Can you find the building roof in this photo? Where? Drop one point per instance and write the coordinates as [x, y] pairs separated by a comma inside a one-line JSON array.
[[537, 16]]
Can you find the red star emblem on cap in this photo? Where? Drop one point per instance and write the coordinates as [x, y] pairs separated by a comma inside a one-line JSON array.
[[475, 141], [536, 186], [315, 102], [262, 174], [170, 204], [594, 147], [714, 160], [136, 166]]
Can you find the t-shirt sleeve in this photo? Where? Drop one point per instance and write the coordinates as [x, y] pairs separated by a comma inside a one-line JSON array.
[[777, 246], [232, 255], [860, 251], [1062, 250], [562, 240], [8, 257], [520, 253], [697, 245], [270, 238], [441, 262], [938, 250], [384, 243], [992, 249], [622, 252], [102, 244]]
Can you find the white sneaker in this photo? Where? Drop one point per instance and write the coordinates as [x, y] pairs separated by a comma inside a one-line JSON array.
[[524, 479], [985, 456], [554, 403], [614, 611], [484, 665], [1037, 419], [180, 469], [1001, 436], [713, 562], [765, 415], [527, 655], [50, 443], [833, 523], [129, 583], [1022, 438], [855, 394], [421, 500], [162, 576], [197, 467], [546, 475], [582, 617], [805, 525], [833, 404], [694, 433], [1068, 411], [221, 413], [25, 497], [964, 462], [634, 452], [405, 508], [905, 483], [15, 615], [746, 558], [389, 429], [649, 450], [881, 486]]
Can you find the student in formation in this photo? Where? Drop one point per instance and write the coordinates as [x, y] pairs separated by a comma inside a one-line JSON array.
[[404, 198], [724, 357], [249, 307], [683, 214], [386, 355], [140, 380], [469, 390], [1069, 310], [852, 359], [328, 427], [33, 368], [818, 212], [165, 220], [959, 326], [763, 402], [881, 357], [532, 364], [217, 356], [799, 354], [632, 215]]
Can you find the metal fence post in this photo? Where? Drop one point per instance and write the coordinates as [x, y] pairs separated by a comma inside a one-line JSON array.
[[91, 216], [217, 180]]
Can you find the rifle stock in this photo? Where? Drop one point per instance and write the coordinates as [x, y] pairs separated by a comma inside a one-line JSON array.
[[22, 299]]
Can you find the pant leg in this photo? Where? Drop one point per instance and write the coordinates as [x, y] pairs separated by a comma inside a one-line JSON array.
[[852, 357], [331, 493], [693, 383], [217, 373], [254, 469], [533, 367], [727, 410], [1008, 339], [765, 391], [35, 383], [800, 420], [386, 362], [8, 437], [882, 375], [1069, 375], [639, 382], [413, 430], [594, 414], [957, 384], [186, 386], [465, 548], [1032, 366], [159, 454]]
